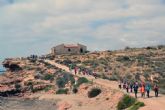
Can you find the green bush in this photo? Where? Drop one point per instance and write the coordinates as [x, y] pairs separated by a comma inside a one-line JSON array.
[[48, 88], [64, 79], [60, 82], [94, 92], [62, 91], [114, 77], [136, 106], [82, 80], [48, 77], [126, 102]]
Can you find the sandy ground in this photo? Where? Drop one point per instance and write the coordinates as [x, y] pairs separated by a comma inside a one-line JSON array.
[[24, 104], [151, 103], [77, 102]]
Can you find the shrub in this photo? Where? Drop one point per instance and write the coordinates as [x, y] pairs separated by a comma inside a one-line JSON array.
[[126, 102], [123, 59], [60, 82], [137, 76], [17, 86], [48, 77], [103, 76], [62, 91], [48, 88], [94, 92], [114, 77], [136, 106], [64, 79], [82, 80]]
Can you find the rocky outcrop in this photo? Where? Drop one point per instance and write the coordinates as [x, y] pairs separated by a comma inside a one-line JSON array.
[[11, 66], [6, 91]]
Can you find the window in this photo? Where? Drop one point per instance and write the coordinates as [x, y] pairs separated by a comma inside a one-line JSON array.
[[69, 49]]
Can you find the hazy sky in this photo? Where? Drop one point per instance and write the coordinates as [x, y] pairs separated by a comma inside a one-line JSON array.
[[34, 26]]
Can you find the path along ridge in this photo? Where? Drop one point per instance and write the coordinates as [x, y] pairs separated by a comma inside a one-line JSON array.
[[152, 103]]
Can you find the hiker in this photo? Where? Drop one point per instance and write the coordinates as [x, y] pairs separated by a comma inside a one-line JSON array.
[[147, 88], [95, 75], [131, 87], [124, 85], [84, 72], [156, 89], [127, 87], [75, 70], [136, 89], [142, 90], [70, 67], [119, 85]]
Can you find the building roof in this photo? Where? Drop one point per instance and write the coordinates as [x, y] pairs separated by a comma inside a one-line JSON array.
[[71, 45]]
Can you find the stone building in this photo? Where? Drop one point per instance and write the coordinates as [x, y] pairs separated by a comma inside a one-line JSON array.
[[68, 49]]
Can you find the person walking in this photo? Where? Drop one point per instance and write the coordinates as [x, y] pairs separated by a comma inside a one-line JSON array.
[[95, 75], [119, 85], [127, 87], [136, 89], [75, 70], [131, 87], [124, 85], [142, 90], [147, 88], [70, 67], [156, 89]]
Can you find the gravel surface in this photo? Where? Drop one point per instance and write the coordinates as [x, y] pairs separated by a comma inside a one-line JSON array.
[[22, 104]]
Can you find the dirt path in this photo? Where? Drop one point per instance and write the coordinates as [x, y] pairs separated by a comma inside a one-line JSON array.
[[151, 103]]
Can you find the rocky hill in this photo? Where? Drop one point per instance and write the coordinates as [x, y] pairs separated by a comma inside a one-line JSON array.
[[40, 78], [141, 64], [36, 79]]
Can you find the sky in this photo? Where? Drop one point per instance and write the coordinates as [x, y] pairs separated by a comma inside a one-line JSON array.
[[34, 26]]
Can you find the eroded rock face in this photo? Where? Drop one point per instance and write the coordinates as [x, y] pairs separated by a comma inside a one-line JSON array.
[[8, 93], [12, 66]]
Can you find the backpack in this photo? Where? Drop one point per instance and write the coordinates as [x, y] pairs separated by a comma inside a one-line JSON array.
[[135, 87], [156, 87], [148, 88]]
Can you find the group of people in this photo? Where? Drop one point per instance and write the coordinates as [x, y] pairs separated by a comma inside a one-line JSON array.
[[84, 72], [142, 87], [128, 86]]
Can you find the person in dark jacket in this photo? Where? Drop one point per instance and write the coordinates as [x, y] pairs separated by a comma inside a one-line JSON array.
[[119, 85], [156, 89], [131, 87], [136, 89]]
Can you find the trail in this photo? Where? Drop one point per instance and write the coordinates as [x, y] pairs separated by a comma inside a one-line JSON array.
[[151, 103]]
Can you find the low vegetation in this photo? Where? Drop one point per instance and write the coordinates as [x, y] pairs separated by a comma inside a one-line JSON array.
[[63, 79], [62, 91], [136, 106], [49, 77], [81, 80], [129, 103], [126, 102], [94, 92]]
